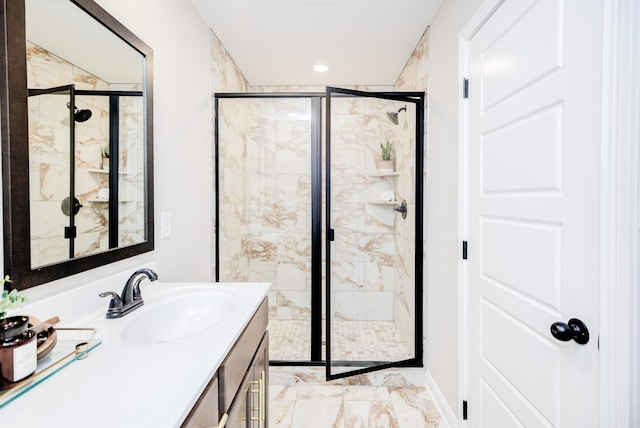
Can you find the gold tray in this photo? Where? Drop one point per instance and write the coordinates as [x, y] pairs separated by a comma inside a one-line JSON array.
[[56, 352]]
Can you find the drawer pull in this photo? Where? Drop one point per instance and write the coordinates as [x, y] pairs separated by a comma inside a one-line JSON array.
[[263, 394], [223, 421], [259, 392], [261, 398]]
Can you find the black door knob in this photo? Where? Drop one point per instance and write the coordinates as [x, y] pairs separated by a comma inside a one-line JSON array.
[[574, 329]]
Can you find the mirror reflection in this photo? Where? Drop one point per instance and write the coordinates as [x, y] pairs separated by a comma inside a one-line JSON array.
[[86, 135]]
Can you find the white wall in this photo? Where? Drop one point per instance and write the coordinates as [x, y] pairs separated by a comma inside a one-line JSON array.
[[182, 140], [182, 129], [443, 242]]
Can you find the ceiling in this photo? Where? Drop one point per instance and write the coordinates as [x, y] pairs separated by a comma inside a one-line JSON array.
[[69, 33], [278, 42]]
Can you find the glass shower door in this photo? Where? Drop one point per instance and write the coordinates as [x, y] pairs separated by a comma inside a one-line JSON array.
[[52, 203], [265, 210], [374, 231]]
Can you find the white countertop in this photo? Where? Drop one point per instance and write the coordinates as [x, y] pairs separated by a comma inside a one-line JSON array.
[[132, 385]]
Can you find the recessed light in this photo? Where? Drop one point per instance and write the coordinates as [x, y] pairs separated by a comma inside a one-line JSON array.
[[321, 68]]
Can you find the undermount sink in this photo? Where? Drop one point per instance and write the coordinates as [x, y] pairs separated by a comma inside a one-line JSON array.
[[178, 315]]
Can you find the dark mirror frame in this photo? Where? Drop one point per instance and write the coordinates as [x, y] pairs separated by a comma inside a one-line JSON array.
[[15, 151]]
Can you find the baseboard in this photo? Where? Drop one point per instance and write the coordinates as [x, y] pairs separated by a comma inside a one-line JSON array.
[[449, 419]]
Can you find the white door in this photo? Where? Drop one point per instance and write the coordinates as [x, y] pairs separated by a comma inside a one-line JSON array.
[[533, 144]]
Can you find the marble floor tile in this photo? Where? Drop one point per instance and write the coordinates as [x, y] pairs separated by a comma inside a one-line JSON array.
[[290, 340], [369, 414], [300, 398], [282, 392], [324, 412], [412, 407], [365, 393], [281, 413]]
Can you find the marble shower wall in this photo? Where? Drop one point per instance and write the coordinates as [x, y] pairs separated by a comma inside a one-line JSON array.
[[405, 242], [279, 158], [131, 221], [371, 257], [413, 78], [233, 194], [234, 190], [49, 159], [266, 201], [265, 198]]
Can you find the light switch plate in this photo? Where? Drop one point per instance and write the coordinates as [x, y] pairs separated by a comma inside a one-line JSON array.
[[165, 225]]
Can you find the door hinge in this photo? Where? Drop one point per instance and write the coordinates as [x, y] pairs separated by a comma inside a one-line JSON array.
[[69, 232], [464, 410], [465, 88], [464, 250], [331, 235]]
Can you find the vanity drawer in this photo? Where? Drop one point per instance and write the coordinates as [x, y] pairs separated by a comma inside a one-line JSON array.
[[205, 412], [234, 368]]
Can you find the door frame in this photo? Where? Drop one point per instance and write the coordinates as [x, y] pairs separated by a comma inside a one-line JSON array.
[[619, 184]]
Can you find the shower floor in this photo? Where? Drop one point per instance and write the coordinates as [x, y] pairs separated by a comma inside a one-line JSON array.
[[290, 340]]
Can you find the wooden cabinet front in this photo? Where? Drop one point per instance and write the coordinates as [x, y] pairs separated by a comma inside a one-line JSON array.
[[237, 396]]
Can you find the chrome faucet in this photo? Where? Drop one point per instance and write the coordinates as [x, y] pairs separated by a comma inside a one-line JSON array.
[[131, 297]]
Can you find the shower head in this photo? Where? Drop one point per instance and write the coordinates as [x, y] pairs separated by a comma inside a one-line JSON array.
[[393, 115], [80, 115]]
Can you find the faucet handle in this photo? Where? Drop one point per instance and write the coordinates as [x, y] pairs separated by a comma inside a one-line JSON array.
[[137, 294], [116, 301]]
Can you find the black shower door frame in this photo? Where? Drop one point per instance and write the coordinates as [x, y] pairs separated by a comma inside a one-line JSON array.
[[361, 367], [70, 230], [317, 169]]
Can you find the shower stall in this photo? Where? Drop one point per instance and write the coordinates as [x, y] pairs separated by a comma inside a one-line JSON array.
[[303, 203]]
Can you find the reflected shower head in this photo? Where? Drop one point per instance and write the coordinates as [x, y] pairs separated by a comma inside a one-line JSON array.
[[80, 115], [393, 115]]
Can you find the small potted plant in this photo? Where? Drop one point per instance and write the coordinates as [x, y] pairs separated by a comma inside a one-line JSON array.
[[386, 164], [18, 349], [105, 157], [9, 299]]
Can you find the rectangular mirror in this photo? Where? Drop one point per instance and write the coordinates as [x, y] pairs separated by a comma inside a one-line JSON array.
[[76, 140]]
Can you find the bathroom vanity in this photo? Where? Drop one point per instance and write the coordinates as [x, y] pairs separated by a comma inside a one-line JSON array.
[[194, 355], [237, 395]]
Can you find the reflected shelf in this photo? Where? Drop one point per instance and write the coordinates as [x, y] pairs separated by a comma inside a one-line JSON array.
[[384, 174], [106, 171], [384, 202], [107, 200]]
